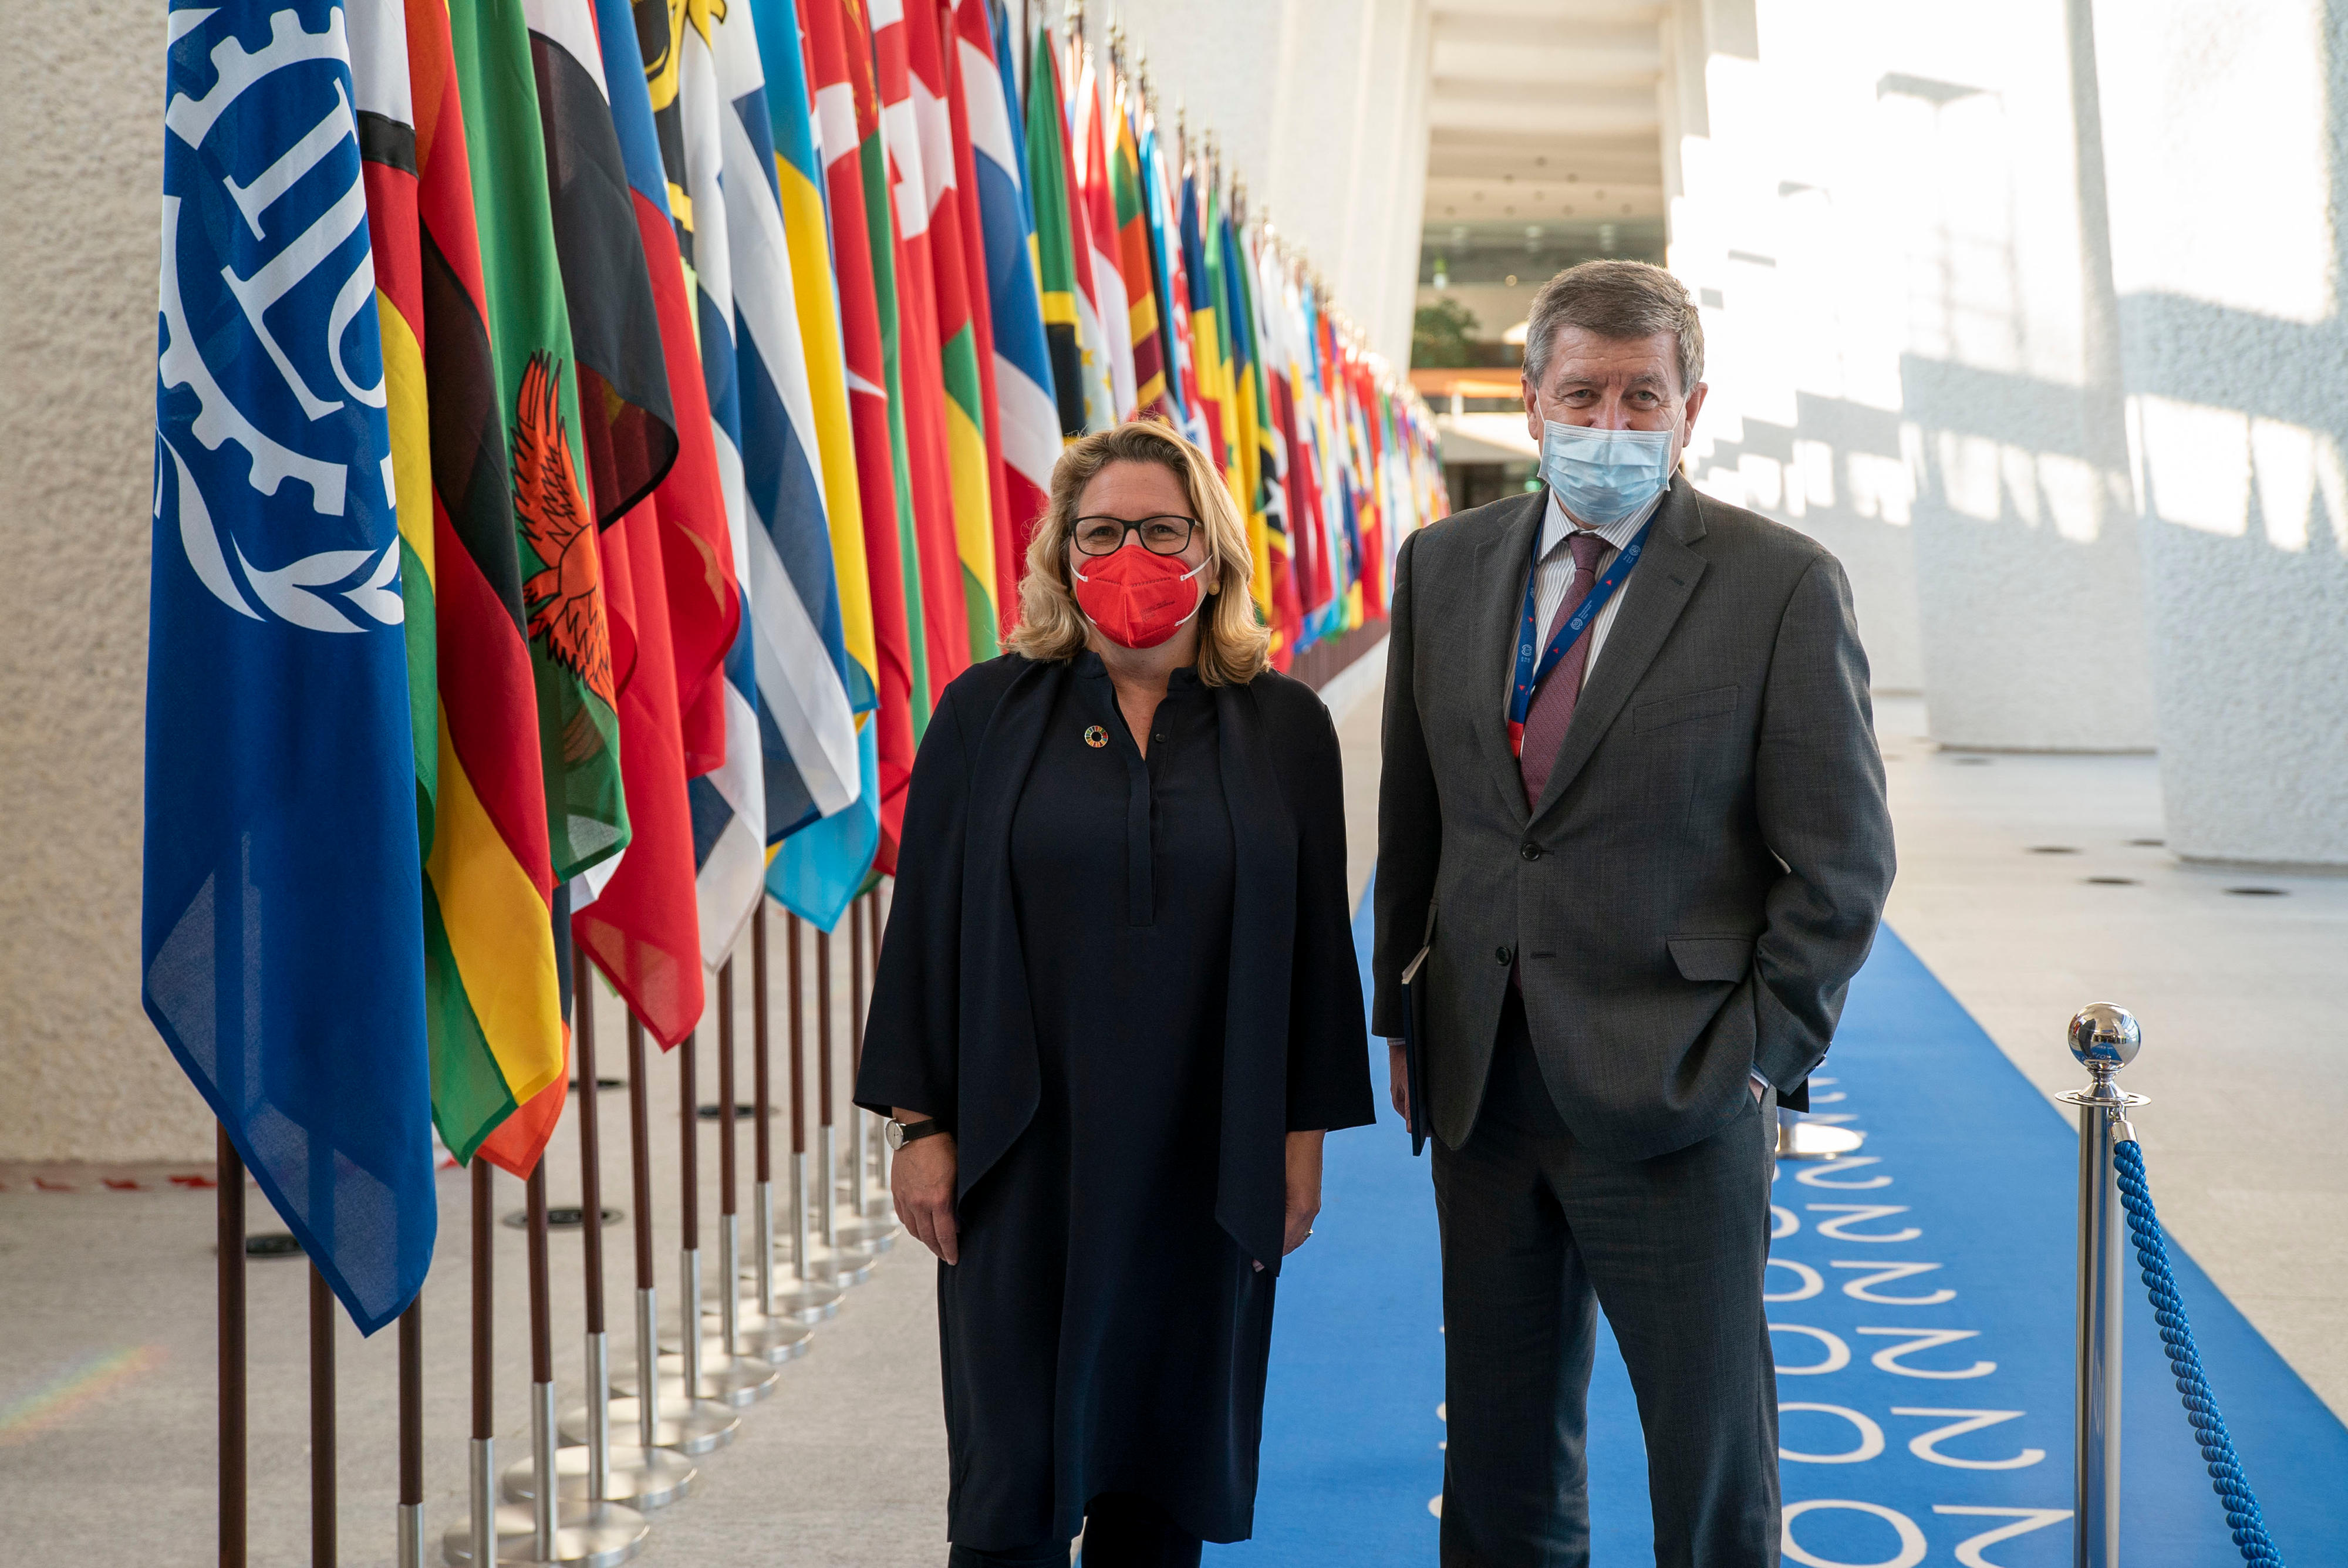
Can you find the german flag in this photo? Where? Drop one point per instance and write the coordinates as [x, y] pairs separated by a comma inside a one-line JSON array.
[[494, 1010]]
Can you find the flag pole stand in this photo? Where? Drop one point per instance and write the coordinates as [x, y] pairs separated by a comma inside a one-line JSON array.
[[880, 1203], [474, 1541], [688, 1429], [692, 1369], [815, 1289], [542, 1531], [863, 1225], [322, 1505], [850, 1264], [229, 1217], [411, 1436], [747, 1330], [596, 1470], [768, 1329]]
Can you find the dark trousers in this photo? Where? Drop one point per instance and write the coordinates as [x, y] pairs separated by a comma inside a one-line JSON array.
[[1538, 1235], [1122, 1531]]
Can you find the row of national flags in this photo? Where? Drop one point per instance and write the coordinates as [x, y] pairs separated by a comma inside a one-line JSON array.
[[600, 580]]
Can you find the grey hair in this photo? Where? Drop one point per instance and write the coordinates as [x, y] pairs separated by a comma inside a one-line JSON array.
[[1617, 300]]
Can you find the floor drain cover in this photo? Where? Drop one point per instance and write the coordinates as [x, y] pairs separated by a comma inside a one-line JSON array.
[[272, 1245], [2113, 882], [2053, 850], [2256, 892]]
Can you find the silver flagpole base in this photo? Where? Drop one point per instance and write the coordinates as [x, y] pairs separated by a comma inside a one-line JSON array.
[[411, 1536], [809, 1301], [729, 1288], [475, 1540], [639, 1478], [704, 1368], [736, 1380], [601, 1535], [598, 1534], [695, 1429], [759, 1337], [870, 1233], [839, 1267]]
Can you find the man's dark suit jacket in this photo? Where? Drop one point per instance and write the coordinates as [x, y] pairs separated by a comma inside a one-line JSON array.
[[1689, 900]]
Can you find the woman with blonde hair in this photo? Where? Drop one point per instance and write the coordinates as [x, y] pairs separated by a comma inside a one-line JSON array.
[[1118, 1007]]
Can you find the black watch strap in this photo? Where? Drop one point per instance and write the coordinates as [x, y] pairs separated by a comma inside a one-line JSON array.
[[900, 1133]]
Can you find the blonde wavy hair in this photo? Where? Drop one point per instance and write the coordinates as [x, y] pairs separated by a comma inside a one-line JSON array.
[[1233, 648]]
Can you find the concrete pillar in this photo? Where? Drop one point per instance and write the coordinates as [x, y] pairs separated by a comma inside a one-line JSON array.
[[2235, 369]]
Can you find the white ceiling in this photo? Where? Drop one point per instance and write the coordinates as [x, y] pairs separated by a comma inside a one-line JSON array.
[[1543, 111]]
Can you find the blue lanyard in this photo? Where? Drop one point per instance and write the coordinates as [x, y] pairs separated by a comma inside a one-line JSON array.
[[1529, 674]]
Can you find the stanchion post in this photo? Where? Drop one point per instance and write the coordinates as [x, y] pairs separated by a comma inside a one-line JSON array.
[[2105, 1039], [229, 1214], [322, 1421], [411, 1435]]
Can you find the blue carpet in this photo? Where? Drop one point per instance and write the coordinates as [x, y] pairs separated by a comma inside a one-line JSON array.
[[1965, 1155]]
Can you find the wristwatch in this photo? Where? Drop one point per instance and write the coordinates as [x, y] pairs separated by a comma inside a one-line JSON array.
[[900, 1134]]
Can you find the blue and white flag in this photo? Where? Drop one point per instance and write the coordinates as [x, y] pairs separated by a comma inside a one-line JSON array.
[[282, 942], [807, 725], [729, 805]]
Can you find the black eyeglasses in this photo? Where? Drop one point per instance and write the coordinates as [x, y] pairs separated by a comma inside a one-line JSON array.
[[1159, 535]]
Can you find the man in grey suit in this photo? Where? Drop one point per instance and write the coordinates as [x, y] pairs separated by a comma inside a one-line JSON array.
[[1633, 812]]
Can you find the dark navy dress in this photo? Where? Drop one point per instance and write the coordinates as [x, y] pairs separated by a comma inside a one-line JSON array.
[[1104, 1332]]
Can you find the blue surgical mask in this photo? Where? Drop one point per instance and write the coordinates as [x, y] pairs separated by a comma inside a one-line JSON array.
[[1603, 477]]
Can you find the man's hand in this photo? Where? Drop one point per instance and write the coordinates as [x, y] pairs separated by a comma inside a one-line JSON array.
[[1304, 1188], [921, 1180], [1399, 1075]]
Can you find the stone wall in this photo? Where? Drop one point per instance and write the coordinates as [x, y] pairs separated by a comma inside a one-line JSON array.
[[86, 1077]]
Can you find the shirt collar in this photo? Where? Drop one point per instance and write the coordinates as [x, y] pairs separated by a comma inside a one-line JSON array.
[[1556, 525]]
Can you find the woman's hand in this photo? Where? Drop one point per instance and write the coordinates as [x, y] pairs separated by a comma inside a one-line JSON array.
[[922, 1180], [1304, 1187]]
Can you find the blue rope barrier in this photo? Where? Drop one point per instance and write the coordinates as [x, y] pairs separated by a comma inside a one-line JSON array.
[[2226, 1476]]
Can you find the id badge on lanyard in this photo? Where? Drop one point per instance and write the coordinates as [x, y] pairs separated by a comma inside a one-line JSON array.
[[1530, 675]]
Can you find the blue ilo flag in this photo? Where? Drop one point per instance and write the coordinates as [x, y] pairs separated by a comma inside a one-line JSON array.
[[282, 937]]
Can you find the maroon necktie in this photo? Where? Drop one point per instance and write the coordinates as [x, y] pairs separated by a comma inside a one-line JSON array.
[[1553, 701]]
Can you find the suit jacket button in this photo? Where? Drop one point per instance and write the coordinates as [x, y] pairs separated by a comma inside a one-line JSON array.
[[1502, 955], [1530, 852]]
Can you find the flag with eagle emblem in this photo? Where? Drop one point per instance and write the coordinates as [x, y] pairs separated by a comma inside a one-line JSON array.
[[671, 583], [529, 340], [493, 1008]]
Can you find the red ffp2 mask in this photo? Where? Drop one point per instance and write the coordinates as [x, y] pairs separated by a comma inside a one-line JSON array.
[[1136, 599]]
